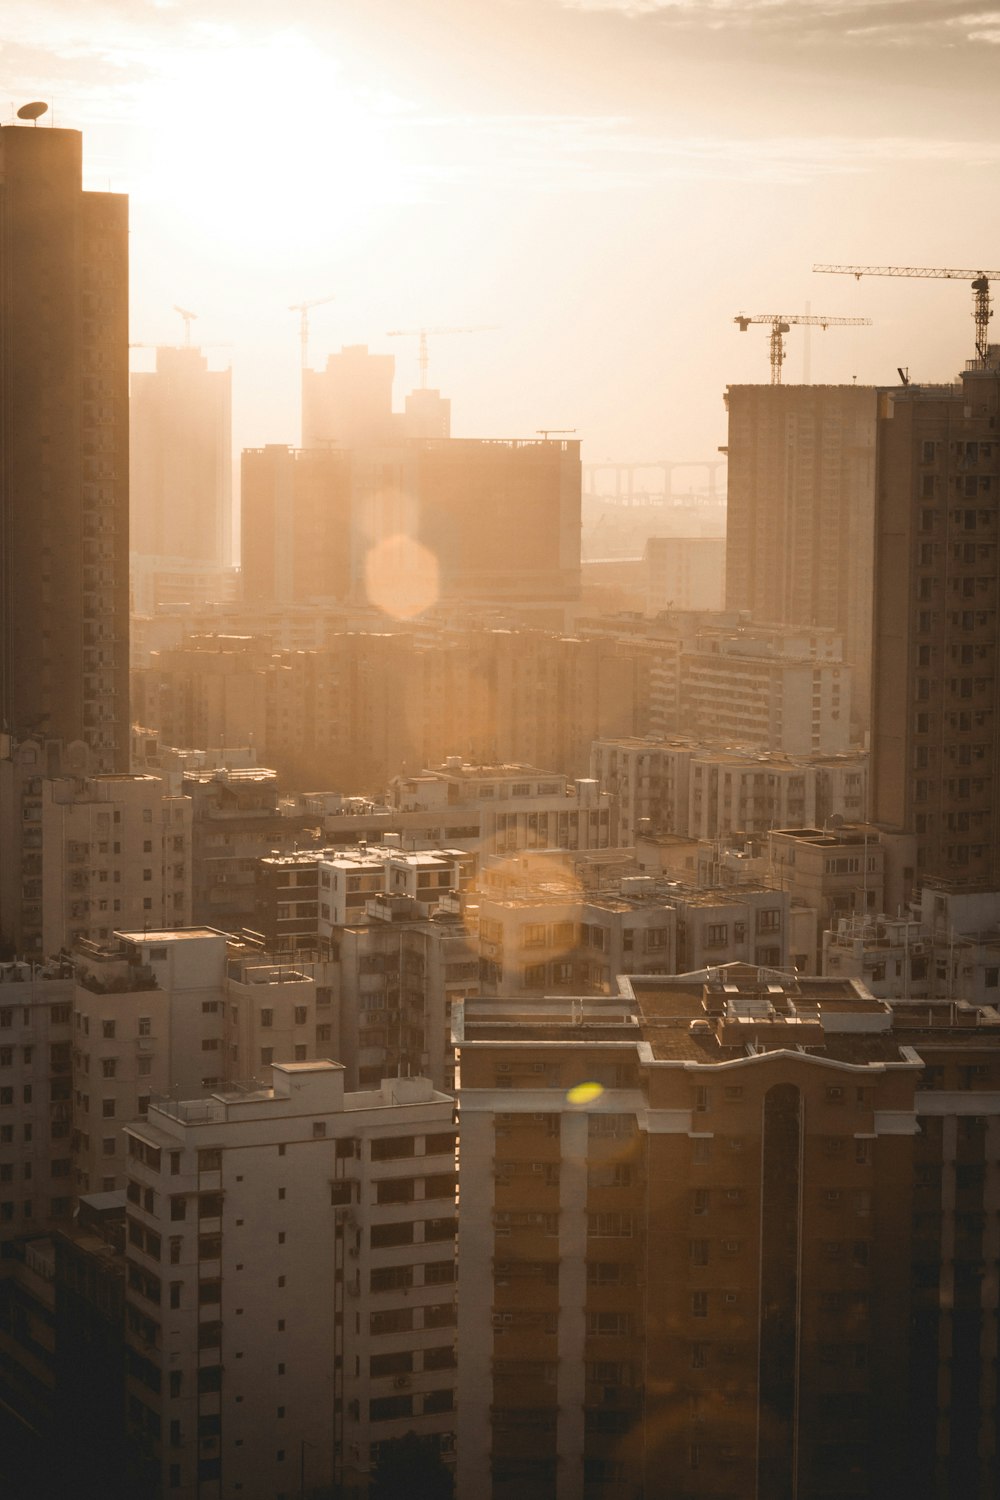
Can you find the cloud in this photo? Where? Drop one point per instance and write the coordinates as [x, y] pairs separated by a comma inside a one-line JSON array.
[[560, 153], [886, 22]]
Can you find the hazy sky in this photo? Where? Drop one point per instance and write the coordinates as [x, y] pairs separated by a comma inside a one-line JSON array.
[[607, 181]]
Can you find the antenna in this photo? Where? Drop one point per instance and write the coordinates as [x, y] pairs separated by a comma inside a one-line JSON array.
[[189, 318], [546, 431], [33, 111]]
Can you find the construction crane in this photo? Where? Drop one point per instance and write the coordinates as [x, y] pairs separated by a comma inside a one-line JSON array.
[[981, 306], [302, 308], [546, 432], [189, 318], [421, 334], [780, 324]]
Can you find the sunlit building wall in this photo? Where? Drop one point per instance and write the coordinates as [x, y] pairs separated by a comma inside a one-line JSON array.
[[800, 514], [180, 486]]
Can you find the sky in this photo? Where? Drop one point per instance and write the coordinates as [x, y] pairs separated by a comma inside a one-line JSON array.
[[597, 187]]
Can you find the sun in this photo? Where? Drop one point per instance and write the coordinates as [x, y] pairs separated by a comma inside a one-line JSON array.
[[267, 144]]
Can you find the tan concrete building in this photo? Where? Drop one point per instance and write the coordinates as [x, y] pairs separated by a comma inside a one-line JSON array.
[[180, 461], [291, 1267], [935, 747], [800, 514], [684, 572], [747, 1258]]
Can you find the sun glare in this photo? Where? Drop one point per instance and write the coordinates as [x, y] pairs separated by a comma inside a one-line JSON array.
[[266, 145]]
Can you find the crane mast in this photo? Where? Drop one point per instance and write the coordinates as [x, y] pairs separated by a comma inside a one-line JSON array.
[[781, 323], [423, 358], [982, 307]]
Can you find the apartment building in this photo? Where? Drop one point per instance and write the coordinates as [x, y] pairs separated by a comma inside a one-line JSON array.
[[934, 714], [699, 791], [734, 691], [518, 806], [178, 1014], [684, 572], [36, 1032], [553, 938], [84, 854], [206, 691], [180, 463], [290, 1290], [397, 978], [238, 819], [64, 483], [739, 1258], [148, 1018], [801, 514]]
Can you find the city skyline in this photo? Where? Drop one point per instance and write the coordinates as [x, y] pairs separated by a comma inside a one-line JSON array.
[[530, 162]]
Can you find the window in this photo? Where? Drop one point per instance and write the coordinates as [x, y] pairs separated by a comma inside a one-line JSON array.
[[145, 1026], [699, 1304], [109, 1067], [108, 1030], [301, 1015], [267, 1017]]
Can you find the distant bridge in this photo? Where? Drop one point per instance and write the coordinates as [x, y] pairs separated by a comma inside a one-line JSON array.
[[627, 484]]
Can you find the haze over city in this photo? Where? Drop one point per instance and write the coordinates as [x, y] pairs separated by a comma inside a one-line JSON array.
[[499, 750], [607, 182]]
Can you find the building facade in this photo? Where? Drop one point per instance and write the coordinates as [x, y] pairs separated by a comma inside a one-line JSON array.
[[64, 481], [290, 1291], [935, 746]]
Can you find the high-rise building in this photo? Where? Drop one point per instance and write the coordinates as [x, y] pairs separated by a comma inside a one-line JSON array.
[[448, 518], [935, 721], [296, 534], [349, 404], [181, 460], [800, 518], [64, 433], [291, 1266], [752, 1255]]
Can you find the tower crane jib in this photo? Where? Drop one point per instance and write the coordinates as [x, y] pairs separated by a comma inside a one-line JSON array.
[[980, 281], [781, 323]]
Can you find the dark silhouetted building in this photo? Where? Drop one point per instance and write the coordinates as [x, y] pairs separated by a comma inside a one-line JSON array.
[[64, 439], [935, 754]]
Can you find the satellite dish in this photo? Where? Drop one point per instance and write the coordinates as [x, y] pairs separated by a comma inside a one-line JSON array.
[[32, 111]]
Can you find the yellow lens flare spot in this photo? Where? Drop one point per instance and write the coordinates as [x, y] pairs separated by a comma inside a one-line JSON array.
[[402, 577], [584, 1093]]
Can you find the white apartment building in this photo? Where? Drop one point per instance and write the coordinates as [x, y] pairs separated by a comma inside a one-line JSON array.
[[36, 1182], [271, 1014], [698, 791], [176, 1013], [796, 705], [511, 807], [348, 879], [290, 1292]]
